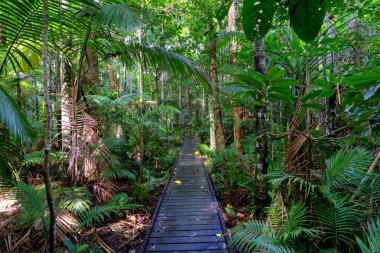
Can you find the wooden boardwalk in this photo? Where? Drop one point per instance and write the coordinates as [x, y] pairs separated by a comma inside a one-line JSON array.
[[187, 217]]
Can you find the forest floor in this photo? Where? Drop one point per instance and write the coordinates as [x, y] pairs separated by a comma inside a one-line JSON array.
[[239, 199], [125, 234]]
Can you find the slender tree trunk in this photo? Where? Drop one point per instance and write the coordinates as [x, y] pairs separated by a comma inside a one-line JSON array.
[[236, 111], [130, 79], [111, 77], [261, 147], [162, 86], [212, 124], [48, 141], [332, 109], [215, 103]]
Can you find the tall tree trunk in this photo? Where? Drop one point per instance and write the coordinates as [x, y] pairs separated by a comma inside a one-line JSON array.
[[111, 76], [162, 86], [130, 79], [49, 137], [91, 78], [214, 102], [261, 147], [212, 124], [236, 111], [332, 109]]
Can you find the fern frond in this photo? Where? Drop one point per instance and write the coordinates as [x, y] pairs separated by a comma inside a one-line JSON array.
[[117, 173], [100, 213]]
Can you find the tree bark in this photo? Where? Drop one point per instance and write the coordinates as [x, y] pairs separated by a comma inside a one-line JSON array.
[[111, 77], [48, 141], [261, 146], [91, 67], [236, 111], [212, 124], [214, 102]]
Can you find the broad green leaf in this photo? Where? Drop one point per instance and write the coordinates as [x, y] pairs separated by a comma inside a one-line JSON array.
[[249, 79], [322, 84], [314, 106], [238, 84], [257, 17], [280, 96], [279, 89], [285, 82], [306, 17], [276, 72], [317, 94], [369, 78]]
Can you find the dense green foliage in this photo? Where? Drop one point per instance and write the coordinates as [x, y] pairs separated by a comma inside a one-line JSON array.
[[287, 118]]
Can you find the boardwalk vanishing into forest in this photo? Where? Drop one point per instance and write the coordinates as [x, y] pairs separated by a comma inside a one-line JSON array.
[[187, 217]]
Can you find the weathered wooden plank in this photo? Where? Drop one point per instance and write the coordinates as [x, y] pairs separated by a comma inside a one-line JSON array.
[[192, 233], [185, 239], [187, 218], [186, 227], [186, 246], [186, 222]]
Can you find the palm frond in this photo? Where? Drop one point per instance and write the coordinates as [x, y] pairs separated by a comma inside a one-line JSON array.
[[12, 117], [32, 204], [344, 164], [168, 61], [256, 236], [297, 222], [124, 17], [74, 200], [282, 178], [372, 238], [339, 222]]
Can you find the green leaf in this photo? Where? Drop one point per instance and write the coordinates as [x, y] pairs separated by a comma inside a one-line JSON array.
[[257, 17], [276, 72], [69, 244], [368, 78], [222, 11], [306, 17], [230, 211], [251, 79], [286, 82], [317, 94], [314, 106]]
